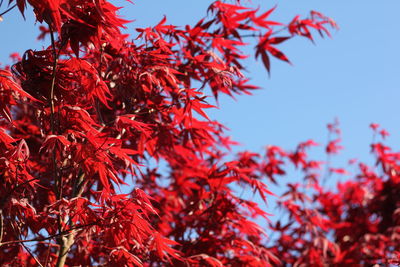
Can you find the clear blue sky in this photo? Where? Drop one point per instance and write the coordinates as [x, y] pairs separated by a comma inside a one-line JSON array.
[[355, 76]]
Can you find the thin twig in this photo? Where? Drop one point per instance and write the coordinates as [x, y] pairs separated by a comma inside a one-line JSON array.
[[39, 239], [53, 80], [1, 226], [8, 10], [32, 255], [57, 184], [18, 235], [48, 255], [65, 232]]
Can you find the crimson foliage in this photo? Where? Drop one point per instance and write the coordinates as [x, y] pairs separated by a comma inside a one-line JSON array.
[[96, 111]]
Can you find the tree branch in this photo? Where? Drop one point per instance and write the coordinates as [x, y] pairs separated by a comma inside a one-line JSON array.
[[67, 241], [58, 185]]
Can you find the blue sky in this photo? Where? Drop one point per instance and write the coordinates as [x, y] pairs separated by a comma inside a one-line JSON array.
[[355, 76]]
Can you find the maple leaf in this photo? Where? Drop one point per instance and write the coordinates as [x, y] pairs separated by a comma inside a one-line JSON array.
[[162, 247]]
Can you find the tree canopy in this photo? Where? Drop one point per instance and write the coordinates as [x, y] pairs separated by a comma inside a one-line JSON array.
[[98, 110]]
